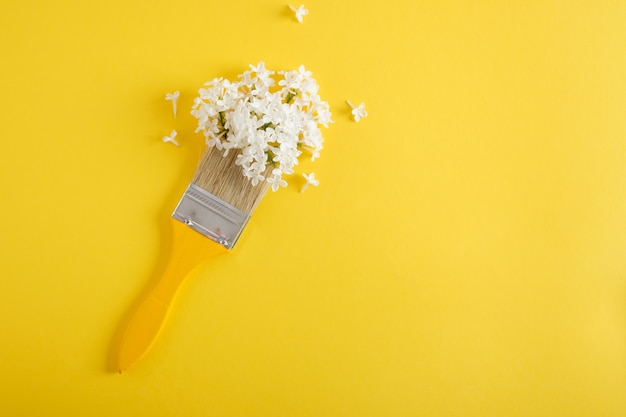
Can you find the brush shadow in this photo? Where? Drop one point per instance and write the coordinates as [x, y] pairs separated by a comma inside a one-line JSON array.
[[191, 152], [164, 225]]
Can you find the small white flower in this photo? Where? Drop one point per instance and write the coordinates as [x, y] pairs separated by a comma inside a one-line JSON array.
[[358, 112], [171, 138], [276, 180], [173, 97], [261, 72], [300, 12], [310, 180]]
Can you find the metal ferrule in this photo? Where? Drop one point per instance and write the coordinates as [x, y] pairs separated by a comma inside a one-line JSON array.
[[211, 216]]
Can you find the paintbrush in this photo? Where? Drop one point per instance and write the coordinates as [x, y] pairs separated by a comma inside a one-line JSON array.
[[207, 222], [255, 130]]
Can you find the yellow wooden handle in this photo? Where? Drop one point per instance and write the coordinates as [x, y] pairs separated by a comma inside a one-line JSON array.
[[189, 249]]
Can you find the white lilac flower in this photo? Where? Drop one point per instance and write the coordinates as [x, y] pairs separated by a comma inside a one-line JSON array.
[[358, 112], [276, 181], [261, 72], [173, 97], [310, 180], [300, 12], [171, 138], [270, 118]]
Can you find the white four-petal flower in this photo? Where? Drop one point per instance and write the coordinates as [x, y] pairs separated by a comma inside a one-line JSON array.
[[300, 12], [310, 180], [358, 112], [173, 97], [276, 180], [171, 138]]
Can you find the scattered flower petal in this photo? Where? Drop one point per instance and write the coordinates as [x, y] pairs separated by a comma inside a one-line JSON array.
[[358, 112], [310, 180], [173, 97], [171, 138], [300, 12]]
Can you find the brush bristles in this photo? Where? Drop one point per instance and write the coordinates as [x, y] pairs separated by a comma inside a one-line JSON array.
[[221, 177]]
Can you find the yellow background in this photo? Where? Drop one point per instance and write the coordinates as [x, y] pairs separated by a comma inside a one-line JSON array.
[[464, 254]]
